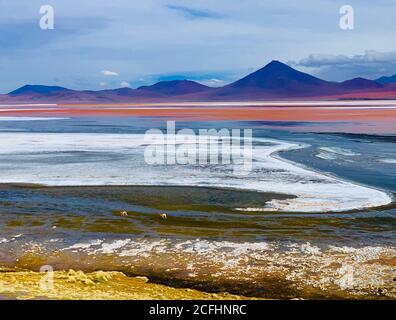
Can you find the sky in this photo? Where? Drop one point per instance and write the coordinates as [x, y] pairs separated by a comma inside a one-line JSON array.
[[105, 44]]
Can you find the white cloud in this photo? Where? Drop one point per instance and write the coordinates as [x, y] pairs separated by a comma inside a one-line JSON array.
[[103, 84], [213, 82], [369, 58], [371, 64], [109, 73], [125, 84]]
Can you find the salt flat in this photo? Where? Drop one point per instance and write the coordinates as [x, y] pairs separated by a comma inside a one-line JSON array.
[[73, 159]]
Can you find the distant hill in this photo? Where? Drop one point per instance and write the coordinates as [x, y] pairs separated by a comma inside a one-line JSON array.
[[385, 80], [274, 81], [39, 90], [175, 87], [360, 83]]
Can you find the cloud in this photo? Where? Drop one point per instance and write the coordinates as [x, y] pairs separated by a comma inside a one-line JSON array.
[[371, 64], [103, 84], [369, 58], [194, 13], [213, 82], [108, 73], [125, 84]]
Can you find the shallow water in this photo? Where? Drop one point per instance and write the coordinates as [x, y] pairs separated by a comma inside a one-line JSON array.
[[206, 242]]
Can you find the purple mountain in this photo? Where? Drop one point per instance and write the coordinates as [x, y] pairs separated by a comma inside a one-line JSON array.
[[360, 83], [277, 77], [39, 90], [278, 80], [175, 87], [385, 80]]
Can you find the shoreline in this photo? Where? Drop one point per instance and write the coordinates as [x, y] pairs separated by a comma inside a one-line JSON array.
[[279, 276], [36, 186], [99, 285], [390, 194]]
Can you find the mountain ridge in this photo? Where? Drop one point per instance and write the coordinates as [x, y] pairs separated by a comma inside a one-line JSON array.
[[274, 80], [386, 79]]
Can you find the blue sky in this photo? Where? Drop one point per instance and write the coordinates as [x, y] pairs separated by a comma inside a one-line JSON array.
[[106, 44]]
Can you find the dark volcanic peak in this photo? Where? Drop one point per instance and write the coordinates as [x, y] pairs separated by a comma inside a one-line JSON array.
[[277, 75], [175, 87], [39, 89], [277, 79]]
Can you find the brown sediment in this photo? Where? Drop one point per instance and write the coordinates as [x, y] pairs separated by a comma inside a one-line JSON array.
[[377, 117], [336, 112], [228, 113], [99, 285], [384, 261]]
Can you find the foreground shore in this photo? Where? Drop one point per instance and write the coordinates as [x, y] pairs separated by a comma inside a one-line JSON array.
[[203, 244], [100, 285]]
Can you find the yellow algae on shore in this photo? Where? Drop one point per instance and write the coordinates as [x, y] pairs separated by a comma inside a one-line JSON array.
[[100, 285]]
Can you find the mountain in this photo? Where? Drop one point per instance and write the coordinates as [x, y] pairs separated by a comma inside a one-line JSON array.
[[175, 87], [360, 83], [277, 76], [385, 80], [160, 90], [39, 90], [277, 79], [274, 81]]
